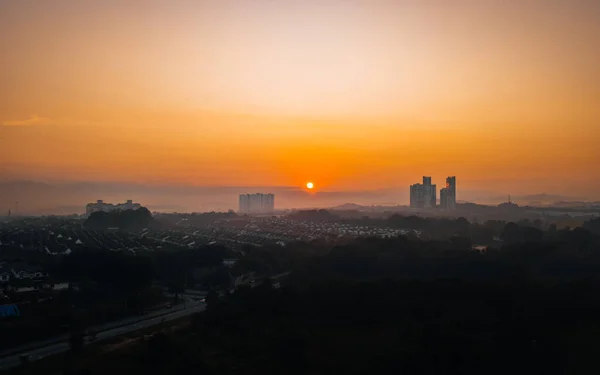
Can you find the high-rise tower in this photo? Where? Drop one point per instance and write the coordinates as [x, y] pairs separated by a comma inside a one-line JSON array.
[[448, 194], [256, 203], [423, 195]]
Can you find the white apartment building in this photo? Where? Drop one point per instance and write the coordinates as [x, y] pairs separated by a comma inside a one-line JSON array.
[[256, 203], [90, 208], [423, 195]]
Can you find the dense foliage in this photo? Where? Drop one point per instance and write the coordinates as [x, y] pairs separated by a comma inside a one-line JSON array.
[[127, 220], [593, 226], [383, 327], [519, 251], [432, 304]]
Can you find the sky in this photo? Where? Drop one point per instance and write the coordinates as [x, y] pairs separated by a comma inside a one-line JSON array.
[[353, 95]]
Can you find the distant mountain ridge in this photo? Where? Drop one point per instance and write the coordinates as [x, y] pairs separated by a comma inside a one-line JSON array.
[[348, 207], [519, 202], [540, 199]]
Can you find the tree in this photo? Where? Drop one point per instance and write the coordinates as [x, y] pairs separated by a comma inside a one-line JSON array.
[[159, 348], [133, 220], [24, 359], [291, 353], [76, 335], [76, 342], [462, 227], [267, 283], [510, 233], [176, 287], [593, 225], [212, 299]]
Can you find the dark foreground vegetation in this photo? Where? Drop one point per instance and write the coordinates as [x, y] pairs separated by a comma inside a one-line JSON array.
[[396, 306], [129, 220], [414, 327], [105, 286], [383, 327]]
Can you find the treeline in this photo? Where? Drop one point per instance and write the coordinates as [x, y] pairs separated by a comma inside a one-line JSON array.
[[274, 259], [515, 250], [485, 233], [195, 219], [593, 226], [107, 285], [567, 256], [398, 305], [316, 216], [407, 305], [125, 272], [381, 327], [518, 251], [201, 267], [125, 220], [408, 326]]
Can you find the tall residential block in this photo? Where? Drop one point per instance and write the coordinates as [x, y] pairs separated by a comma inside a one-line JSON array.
[[423, 195], [256, 203], [448, 194]]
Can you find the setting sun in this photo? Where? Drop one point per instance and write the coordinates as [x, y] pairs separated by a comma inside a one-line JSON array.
[[299, 89]]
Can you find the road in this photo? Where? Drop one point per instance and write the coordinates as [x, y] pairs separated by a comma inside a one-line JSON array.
[[63, 346], [189, 299]]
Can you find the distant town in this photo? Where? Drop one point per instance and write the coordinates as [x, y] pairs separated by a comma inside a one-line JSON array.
[[144, 268], [424, 201]]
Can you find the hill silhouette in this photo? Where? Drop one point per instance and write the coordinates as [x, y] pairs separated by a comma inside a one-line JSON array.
[[130, 220]]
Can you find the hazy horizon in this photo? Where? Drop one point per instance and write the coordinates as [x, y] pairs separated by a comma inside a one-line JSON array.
[[353, 95], [38, 198]]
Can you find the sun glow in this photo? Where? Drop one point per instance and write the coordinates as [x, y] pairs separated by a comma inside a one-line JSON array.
[[310, 185]]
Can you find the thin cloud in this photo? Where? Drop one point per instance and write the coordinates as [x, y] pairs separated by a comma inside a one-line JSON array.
[[34, 120]]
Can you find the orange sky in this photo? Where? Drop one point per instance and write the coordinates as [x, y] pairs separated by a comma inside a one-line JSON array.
[[351, 94]]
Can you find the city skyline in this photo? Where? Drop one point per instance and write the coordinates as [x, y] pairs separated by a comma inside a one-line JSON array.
[[71, 198], [351, 95]]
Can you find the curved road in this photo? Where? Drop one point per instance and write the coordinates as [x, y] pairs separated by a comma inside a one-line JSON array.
[[63, 346]]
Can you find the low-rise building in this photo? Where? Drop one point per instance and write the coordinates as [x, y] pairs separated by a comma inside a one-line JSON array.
[[90, 208], [229, 262], [22, 271]]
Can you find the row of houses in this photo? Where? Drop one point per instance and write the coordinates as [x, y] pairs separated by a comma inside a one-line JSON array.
[[20, 271]]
